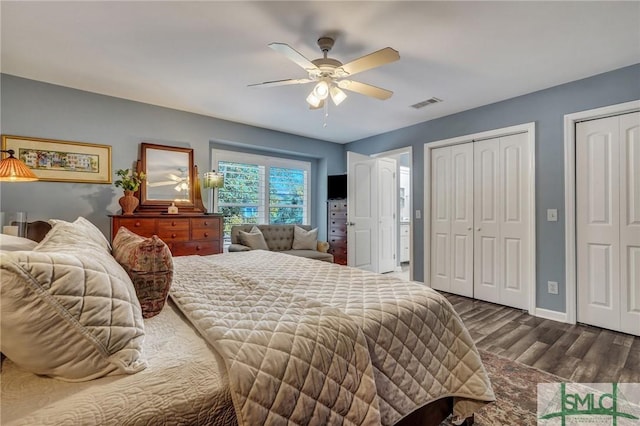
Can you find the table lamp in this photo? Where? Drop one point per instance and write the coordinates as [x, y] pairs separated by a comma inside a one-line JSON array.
[[213, 180], [14, 170]]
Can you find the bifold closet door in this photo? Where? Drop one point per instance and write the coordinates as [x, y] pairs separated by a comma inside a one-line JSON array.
[[630, 223], [452, 219], [480, 220], [608, 222], [501, 220]]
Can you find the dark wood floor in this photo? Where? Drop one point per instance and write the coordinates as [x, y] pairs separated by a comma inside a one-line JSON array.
[[578, 353]]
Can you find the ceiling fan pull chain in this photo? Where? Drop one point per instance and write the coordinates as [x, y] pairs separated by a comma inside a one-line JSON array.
[[326, 113]]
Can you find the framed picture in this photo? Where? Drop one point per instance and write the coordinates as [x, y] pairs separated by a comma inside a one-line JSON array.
[[62, 161]]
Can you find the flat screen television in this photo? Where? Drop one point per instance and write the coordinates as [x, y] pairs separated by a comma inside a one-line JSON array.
[[336, 187]]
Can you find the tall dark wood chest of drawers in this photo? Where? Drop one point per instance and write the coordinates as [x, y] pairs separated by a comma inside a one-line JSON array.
[[337, 230], [184, 234]]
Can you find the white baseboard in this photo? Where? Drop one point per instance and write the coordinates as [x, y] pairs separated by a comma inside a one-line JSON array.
[[551, 315]]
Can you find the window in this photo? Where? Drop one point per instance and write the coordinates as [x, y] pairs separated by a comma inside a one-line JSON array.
[[261, 189]]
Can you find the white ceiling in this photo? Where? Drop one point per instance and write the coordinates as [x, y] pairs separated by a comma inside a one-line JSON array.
[[200, 56]]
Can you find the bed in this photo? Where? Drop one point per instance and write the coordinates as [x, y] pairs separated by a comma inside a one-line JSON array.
[[266, 338]]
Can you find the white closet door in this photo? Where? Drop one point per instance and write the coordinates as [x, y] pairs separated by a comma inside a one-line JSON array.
[[487, 249], [598, 222], [462, 219], [441, 219], [630, 223], [514, 221]]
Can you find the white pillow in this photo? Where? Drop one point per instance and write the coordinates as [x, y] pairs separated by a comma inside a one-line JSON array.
[[84, 229], [254, 239], [304, 240], [12, 243], [68, 309]]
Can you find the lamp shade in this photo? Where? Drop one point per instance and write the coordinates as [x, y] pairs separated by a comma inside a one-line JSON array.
[[14, 170], [213, 180]]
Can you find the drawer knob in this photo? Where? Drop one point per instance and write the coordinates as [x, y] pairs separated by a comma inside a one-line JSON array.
[[173, 223], [197, 248], [173, 235], [138, 224], [206, 234], [206, 223]]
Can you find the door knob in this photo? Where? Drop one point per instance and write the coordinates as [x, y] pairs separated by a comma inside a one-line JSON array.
[[351, 224], [469, 228], [479, 229]]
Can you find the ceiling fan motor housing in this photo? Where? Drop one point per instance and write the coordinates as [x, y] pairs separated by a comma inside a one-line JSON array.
[[325, 44]]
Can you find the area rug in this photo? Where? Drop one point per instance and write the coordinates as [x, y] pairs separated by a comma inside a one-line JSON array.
[[515, 387]]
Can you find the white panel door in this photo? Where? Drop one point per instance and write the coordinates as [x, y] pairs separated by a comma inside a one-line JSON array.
[[598, 222], [387, 206], [514, 221], [441, 219], [362, 212], [452, 219], [630, 223], [461, 199], [488, 252]]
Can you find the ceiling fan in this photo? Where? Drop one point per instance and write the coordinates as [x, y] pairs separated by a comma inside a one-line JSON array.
[[181, 182], [331, 75]]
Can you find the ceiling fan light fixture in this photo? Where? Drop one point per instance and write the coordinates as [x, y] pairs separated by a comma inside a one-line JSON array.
[[313, 100], [337, 95], [321, 91]]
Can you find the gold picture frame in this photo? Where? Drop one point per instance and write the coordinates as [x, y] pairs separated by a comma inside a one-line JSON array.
[[62, 161]]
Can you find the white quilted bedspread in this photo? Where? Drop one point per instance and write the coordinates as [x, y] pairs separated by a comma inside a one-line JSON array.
[[184, 384], [312, 342]]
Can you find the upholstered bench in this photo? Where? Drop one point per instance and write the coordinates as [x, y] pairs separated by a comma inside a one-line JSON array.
[[278, 238]]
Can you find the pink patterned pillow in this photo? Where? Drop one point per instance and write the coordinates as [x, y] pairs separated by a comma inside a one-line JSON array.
[[149, 263]]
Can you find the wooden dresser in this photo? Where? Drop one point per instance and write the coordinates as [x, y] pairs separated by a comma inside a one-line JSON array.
[[184, 234], [337, 230]]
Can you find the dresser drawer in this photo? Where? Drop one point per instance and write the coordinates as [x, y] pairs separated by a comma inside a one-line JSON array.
[[340, 257], [338, 215], [337, 205], [189, 248], [205, 233], [335, 243], [205, 228], [206, 223], [338, 231], [173, 229], [144, 227]]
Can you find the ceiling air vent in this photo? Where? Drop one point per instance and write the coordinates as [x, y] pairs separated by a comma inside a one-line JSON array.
[[429, 101]]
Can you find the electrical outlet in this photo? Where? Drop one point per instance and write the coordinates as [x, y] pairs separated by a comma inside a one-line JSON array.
[[552, 287], [418, 214]]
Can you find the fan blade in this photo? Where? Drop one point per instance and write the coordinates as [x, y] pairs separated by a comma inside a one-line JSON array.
[[365, 89], [372, 60], [293, 55], [281, 82], [164, 183]]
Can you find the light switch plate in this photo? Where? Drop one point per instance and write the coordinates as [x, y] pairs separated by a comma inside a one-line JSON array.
[[552, 215], [418, 214], [552, 287]]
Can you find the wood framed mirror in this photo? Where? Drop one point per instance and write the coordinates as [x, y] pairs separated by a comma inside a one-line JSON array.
[[171, 177]]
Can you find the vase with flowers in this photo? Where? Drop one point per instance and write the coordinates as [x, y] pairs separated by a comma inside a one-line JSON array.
[[130, 182]]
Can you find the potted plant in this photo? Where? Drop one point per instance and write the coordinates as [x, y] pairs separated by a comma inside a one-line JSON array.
[[130, 182]]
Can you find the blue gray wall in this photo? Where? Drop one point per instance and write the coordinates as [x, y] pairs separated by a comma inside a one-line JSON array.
[[547, 109], [35, 109]]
